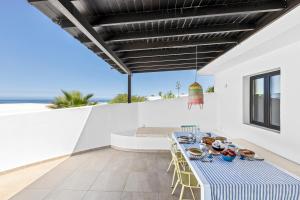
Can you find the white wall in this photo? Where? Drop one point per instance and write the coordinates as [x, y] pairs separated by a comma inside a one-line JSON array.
[[276, 47], [35, 136], [104, 120], [173, 113], [32, 137]]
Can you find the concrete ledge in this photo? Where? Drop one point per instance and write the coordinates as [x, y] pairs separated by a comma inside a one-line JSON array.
[[155, 131], [129, 141]]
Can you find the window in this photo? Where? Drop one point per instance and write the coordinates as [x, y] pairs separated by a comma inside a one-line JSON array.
[[265, 100]]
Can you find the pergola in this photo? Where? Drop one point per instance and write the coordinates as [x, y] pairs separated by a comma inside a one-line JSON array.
[[139, 36]]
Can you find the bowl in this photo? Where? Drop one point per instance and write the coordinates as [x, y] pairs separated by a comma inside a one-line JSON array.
[[232, 147], [217, 149], [228, 158], [217, 145], [195, 151], [222, 139], [246, 153], [208, 140]]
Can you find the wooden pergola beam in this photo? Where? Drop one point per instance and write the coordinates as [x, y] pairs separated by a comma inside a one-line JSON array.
[[164, 68], [203, 30], [182, 13], [141, 45], [201, 56], [168, 63], [169, 52], [71, 12]]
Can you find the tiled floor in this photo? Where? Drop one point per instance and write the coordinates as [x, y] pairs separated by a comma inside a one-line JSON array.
[[105, 175]]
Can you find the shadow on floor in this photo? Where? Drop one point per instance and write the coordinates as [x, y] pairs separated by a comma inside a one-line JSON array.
[[105, 174]]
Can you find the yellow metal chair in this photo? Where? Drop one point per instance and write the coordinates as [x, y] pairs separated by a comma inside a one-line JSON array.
[[185, 178], [189, 128], [179, 156]]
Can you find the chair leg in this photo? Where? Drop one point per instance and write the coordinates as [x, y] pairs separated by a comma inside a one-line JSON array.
[[173, 191], [171, 163], [192, 193], [173, 178], [181, 194]]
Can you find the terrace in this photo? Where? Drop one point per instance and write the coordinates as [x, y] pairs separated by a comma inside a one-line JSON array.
[[121, 151]]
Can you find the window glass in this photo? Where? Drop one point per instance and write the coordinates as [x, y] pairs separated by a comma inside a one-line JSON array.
[[275, 100], [258, 100]]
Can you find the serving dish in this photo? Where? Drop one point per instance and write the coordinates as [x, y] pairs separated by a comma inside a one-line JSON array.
[[228, 155], [208, 140], [246, 153], [195, 151]]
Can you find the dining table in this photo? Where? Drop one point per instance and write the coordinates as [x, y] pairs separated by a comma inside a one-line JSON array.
[[241, 179]]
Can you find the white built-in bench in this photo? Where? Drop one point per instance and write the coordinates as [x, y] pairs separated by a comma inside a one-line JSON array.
[[143, 139]]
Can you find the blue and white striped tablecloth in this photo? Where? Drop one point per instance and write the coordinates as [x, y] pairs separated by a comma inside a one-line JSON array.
[[242, 179]]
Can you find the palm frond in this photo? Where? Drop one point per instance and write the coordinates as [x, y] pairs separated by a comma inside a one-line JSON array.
[[71, 99]]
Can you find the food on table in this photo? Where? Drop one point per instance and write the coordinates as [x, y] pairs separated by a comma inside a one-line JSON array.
[[184, 139], [232, 147], [208, 140], [222, 139], [195, 151], [218, 145], [246, 153], [228, 155]]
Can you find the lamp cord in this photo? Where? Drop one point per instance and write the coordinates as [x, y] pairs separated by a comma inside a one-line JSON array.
[[196, 63]]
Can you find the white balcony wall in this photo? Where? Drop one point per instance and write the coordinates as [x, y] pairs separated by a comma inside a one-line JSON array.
[[104, 120], [31, 137], [36, 136], [275, 47], [173, 113], [40, 135]]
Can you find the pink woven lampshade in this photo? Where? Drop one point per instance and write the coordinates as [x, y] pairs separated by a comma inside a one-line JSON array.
[[195, 95]]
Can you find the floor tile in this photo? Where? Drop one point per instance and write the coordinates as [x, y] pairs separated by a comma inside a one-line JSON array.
[[141, 182], [79, 180], [110, 180], [66, 195], [31, 194], [98, 195], [52, 179], [139, 196]]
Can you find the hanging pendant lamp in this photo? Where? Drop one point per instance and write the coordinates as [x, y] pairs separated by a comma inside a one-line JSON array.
[[195, 90]]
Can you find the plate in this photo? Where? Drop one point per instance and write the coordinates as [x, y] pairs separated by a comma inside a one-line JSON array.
[[195, 151], [208, 140], [183, 137]]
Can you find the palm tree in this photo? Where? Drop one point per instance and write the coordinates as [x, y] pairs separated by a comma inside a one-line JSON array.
[[72, 99], [169, 95], [210, 89]]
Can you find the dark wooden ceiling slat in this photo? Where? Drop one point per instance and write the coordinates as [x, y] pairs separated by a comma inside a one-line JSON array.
[[161, 35], [142, 45], [131, 36]]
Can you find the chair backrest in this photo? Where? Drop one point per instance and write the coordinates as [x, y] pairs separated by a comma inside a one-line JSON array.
[[189, 128], [176, 162]]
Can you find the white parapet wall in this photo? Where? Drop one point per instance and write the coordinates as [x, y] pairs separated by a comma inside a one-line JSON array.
[[34, 136], [40, 135], [173, 113]]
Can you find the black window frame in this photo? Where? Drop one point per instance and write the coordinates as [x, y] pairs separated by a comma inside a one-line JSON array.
[[267, 97]]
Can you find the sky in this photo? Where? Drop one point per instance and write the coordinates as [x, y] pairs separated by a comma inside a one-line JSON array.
[[38, 59]]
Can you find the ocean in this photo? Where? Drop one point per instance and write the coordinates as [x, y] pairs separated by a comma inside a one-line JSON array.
[[40, 101]]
